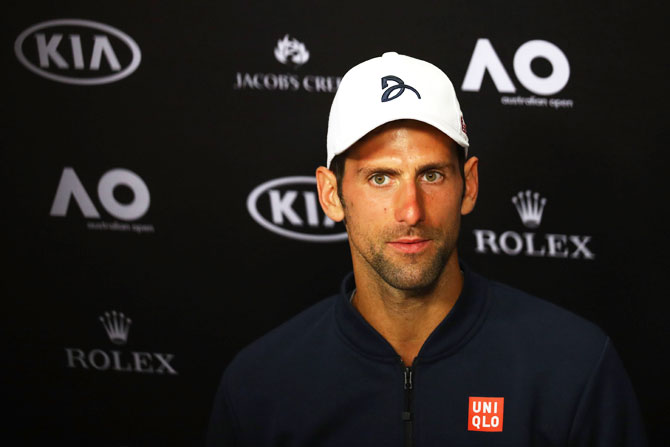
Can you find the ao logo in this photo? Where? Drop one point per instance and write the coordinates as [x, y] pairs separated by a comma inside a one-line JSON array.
[[70, 186], [72, 51], [485, 58], [293, 209]]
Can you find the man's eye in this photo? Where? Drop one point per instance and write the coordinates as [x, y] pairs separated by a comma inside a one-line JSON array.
[[380, 179], [432, 176]]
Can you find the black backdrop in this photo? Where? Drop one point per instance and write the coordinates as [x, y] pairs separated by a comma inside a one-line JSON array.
[[210, 115]]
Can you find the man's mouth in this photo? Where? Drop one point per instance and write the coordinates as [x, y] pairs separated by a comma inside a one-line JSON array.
[[409, 244]]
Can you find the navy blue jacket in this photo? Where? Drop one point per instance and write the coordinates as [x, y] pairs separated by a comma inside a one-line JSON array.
[[327, 378]]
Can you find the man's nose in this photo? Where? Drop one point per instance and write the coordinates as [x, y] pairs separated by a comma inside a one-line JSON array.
[[409, 204]]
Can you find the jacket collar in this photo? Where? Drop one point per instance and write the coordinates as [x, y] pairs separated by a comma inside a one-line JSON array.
[[460, 324]]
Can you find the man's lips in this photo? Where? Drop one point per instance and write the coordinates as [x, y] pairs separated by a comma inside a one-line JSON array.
[[409, 245]]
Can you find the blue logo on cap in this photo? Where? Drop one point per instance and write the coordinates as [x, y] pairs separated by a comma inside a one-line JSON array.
[[400, 85]]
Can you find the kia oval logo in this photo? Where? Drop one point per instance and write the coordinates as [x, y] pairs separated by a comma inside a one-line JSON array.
[[292, 209], [76, 51]]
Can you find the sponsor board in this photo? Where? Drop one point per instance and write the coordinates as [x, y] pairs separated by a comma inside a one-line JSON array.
[[485, 59], [70, 189], [289, 207], [291, 52], [530, 207], [117, 327], [77, 51], [294, 54]]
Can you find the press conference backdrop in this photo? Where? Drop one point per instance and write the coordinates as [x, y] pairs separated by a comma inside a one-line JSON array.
[[160, 211]]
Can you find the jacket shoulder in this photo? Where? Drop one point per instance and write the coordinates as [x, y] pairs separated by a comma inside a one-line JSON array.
[[544, 323]]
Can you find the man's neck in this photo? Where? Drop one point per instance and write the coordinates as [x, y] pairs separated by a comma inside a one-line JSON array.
[[406, 319]]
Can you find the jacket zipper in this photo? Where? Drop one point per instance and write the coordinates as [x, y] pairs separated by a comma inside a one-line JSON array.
[[407, 415]]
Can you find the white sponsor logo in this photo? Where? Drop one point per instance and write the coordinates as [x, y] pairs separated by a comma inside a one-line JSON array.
[[116, 326], [292, 209], [530, 208], [70, 187], [485, 59], [286, 82], [76, 51], [293, 53]]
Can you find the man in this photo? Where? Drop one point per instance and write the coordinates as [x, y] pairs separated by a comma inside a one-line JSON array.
[[417, 349]]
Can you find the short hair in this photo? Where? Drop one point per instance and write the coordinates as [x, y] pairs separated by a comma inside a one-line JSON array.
[[337, 163]]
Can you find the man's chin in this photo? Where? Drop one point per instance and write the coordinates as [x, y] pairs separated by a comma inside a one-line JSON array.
[[417, 280]]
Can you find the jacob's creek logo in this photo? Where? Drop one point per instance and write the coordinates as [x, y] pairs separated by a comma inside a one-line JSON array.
[[530, 207], [293, 53], [76, 51], [122, 193], [117, 327], [486, 413], [485, 59], [289, 207]]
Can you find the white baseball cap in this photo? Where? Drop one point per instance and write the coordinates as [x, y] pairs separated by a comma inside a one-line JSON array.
[[389, 88]]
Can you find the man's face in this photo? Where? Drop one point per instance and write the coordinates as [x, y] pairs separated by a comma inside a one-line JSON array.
[[403, 200]]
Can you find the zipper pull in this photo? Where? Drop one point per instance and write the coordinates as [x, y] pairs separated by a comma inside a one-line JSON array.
[[408, 377]]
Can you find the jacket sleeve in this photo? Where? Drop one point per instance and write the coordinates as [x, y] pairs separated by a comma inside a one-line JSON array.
[[222, 423], [608, 413]]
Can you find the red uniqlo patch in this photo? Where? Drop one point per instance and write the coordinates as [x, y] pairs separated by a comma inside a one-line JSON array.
[[486, 413]]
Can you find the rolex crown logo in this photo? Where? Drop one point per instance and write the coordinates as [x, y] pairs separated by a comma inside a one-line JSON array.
[[530, 207], [116, 325]]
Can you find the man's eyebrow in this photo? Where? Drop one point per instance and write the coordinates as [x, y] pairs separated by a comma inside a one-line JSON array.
[[435, 166], [368, 171]]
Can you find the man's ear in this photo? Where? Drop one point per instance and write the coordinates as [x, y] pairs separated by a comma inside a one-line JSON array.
[[471, 185], [326, 184]]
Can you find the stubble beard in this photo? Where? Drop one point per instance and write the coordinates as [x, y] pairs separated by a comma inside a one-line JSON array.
[[417, 273]]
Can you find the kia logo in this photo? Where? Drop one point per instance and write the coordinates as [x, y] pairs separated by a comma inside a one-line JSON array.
[[75, 51], [289, 207]]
